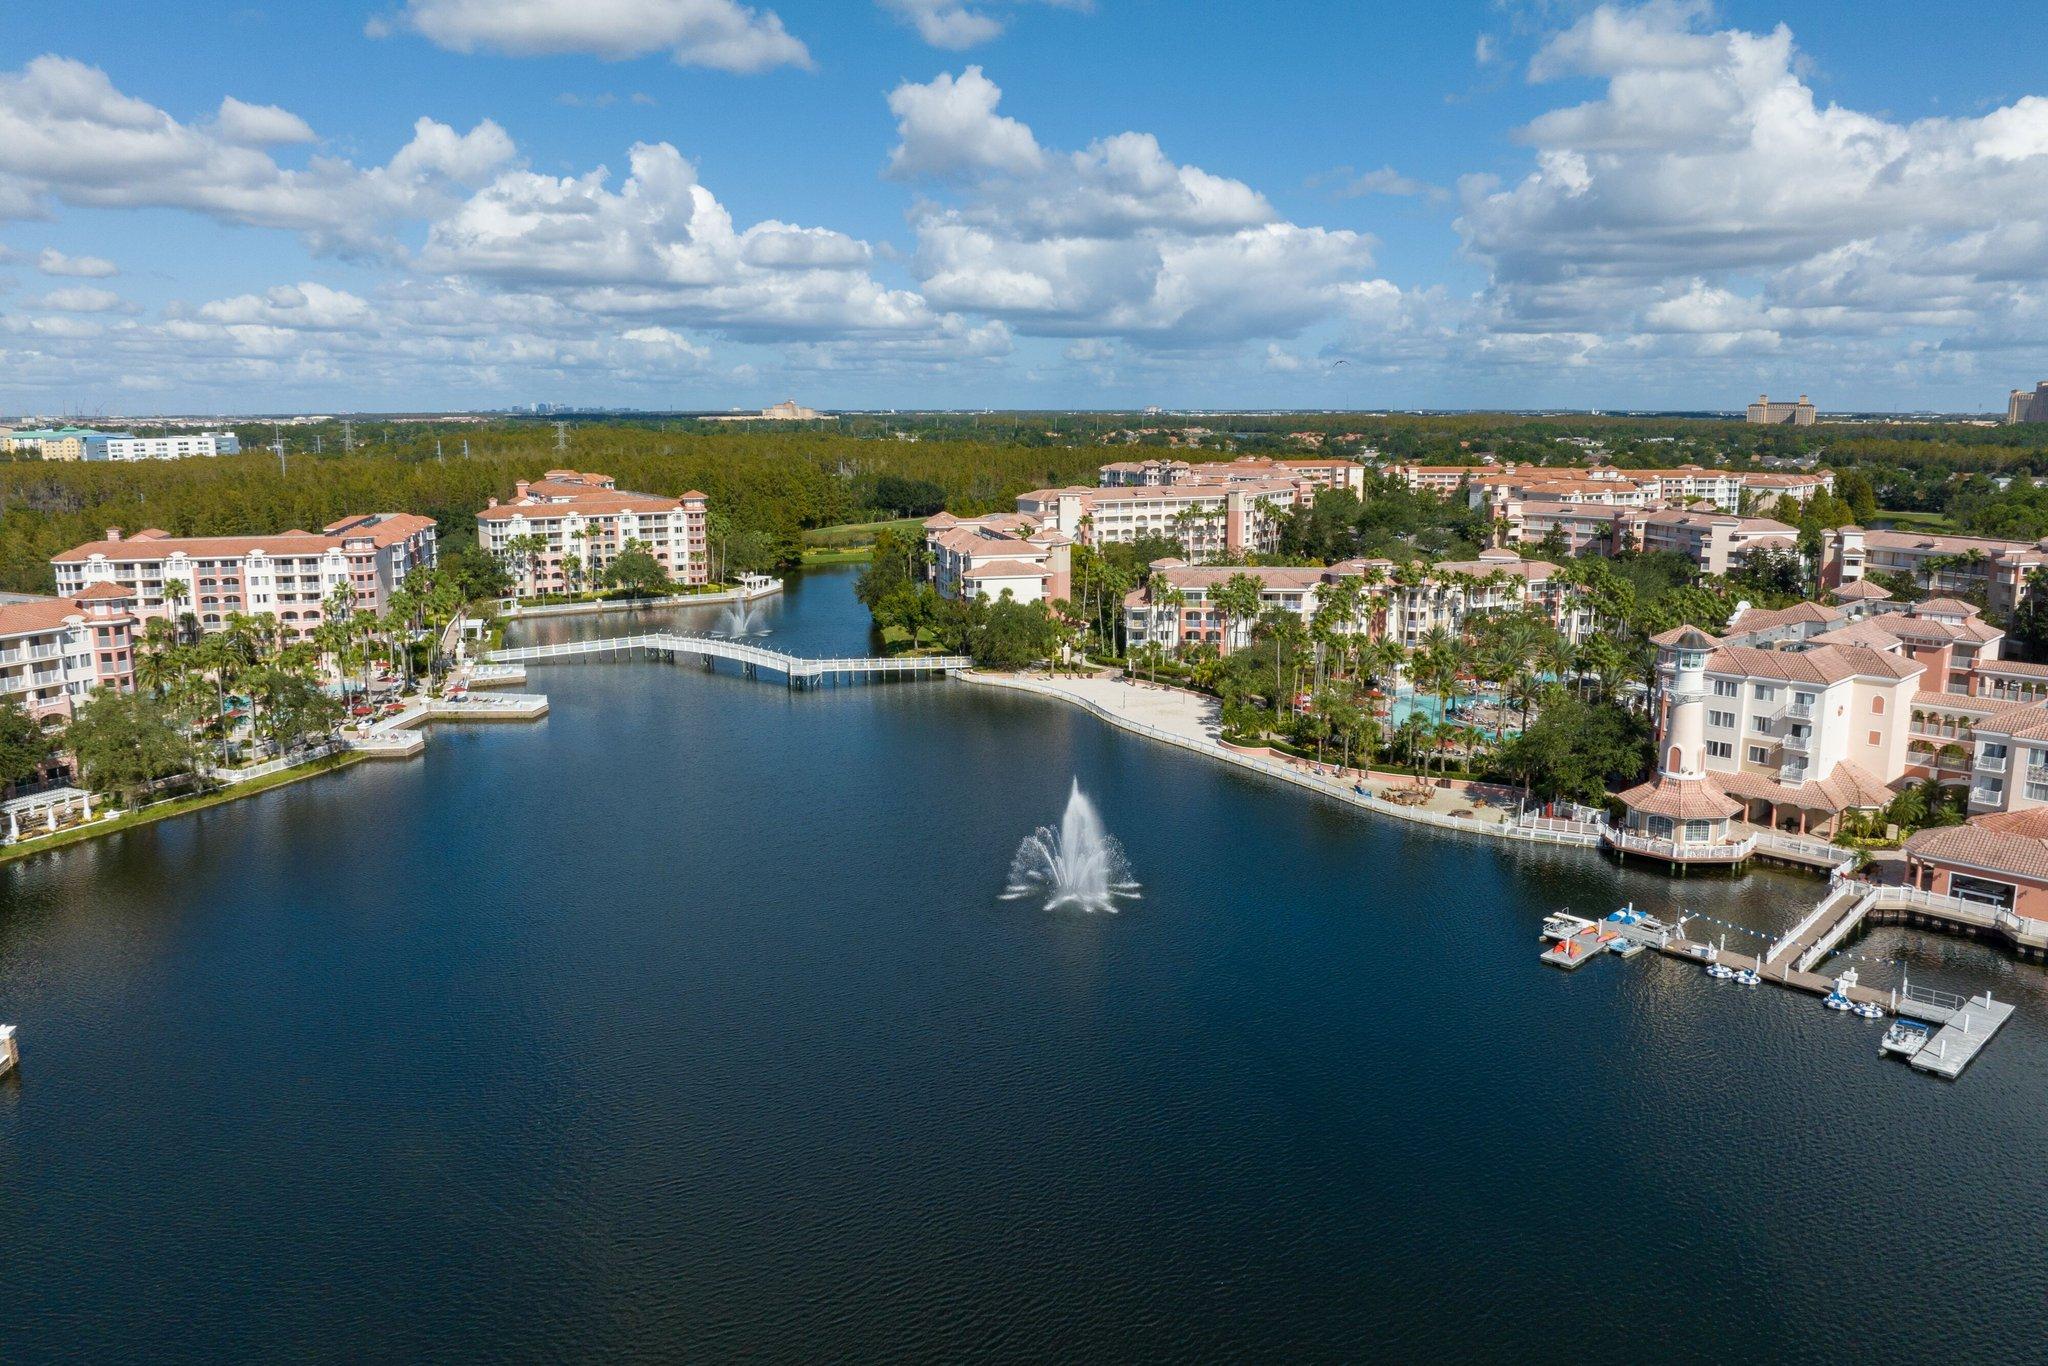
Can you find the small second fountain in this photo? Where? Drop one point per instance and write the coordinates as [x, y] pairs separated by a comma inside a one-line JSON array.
[[1077, 865]]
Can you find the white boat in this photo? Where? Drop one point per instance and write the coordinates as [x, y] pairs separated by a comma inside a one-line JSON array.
[[1720, 971], [1564, 925], [1748, 977], [1904, 1038], [1836, 1001], [1868, 1010]]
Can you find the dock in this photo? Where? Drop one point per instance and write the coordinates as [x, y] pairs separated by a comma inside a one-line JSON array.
[[10, 1051], [1964, 1026], [1575, 951], [1962, 1038]]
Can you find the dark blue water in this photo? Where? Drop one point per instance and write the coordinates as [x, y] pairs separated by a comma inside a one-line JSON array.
[[689, 1023]]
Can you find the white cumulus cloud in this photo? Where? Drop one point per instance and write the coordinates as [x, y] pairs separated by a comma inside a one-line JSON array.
[[720, 34], [54, 262], [959, 24]]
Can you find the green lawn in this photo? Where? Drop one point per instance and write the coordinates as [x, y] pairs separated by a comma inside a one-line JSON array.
[[1933, 522], [860, 534], [165, 810]]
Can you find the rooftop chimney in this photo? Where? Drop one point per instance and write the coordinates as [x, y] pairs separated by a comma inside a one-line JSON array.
[[519, 490], [113, 533]]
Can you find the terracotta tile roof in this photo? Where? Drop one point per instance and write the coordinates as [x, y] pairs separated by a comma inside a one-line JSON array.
[[1269, 576], [1944, 607], [1006, 569], [1691, 637], [1847, 787], [586, 503], [2012, 668], [1860, 590], [1825, 664], [37, 615], [1768, 619], [1687, 799], [1866, 633], [2012, 842]]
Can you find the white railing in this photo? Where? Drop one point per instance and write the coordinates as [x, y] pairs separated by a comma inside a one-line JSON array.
[[1837, 932], [1991, 763], [1964, 910], [792, 666], [1798, 744], [1792, 846], [1682, 851], [1984, 796], [1800, 711], [1838, 889], [278, 765]]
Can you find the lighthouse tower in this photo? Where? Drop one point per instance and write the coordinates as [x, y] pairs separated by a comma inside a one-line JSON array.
[[1682, 685], [1682, 814]]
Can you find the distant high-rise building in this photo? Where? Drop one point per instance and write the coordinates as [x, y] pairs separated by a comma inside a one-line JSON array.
[[1766, 413], [2028, 405]]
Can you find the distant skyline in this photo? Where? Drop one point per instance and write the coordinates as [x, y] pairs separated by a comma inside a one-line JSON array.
[[697, 204]]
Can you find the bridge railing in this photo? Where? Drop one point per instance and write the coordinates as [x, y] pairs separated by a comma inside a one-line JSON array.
[[795, 666]]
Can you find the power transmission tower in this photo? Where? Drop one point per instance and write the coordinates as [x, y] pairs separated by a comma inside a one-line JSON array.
[[561, 436], [348, 437]]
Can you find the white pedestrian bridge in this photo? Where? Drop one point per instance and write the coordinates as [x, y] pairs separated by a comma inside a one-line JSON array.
[[795, 671]]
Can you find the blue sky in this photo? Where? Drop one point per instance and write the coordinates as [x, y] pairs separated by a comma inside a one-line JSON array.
[[439, 203]]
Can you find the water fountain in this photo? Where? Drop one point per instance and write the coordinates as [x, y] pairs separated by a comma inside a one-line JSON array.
[[1075, 865], [740, 621]]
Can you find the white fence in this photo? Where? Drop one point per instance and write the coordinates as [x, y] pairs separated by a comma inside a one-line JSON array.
[[793, 667], [1681, 851]]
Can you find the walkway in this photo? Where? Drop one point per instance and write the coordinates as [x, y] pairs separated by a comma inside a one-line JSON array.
[[1191, 721], [796, 671]]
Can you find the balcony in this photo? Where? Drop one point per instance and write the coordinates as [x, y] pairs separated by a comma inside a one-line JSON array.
[[1798, 744], [1986, 796], [1990, 763], [1792, 775], [2037, 773], [1800, 711]]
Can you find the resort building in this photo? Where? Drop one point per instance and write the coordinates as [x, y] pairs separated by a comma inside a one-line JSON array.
[[1002, 553], [1991, 569], [1687, 486], [1208, 519], [55, 652], [588, 519], [1318, 474], [178, 447], [1810, 711], [2027, 405], [290, 576], [1763, 412], [1399, 604], [1716, 542]]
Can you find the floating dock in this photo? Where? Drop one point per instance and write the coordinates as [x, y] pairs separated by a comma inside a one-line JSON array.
[[1576, 950], [10, 1051], [1964, 1026], [1962, 1038]]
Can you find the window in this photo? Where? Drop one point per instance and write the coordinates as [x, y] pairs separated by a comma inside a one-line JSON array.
[[1766, 693], [1720, 749], [1805, 699], [1721, 718], [1727, 687], [1760, 725], [1758, 754], [1876, 739], [1877, 706]]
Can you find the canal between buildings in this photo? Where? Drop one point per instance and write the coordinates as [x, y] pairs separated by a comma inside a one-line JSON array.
[[691, 1022]]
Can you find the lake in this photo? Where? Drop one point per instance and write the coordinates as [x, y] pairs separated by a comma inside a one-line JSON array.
[[691, 1022]]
